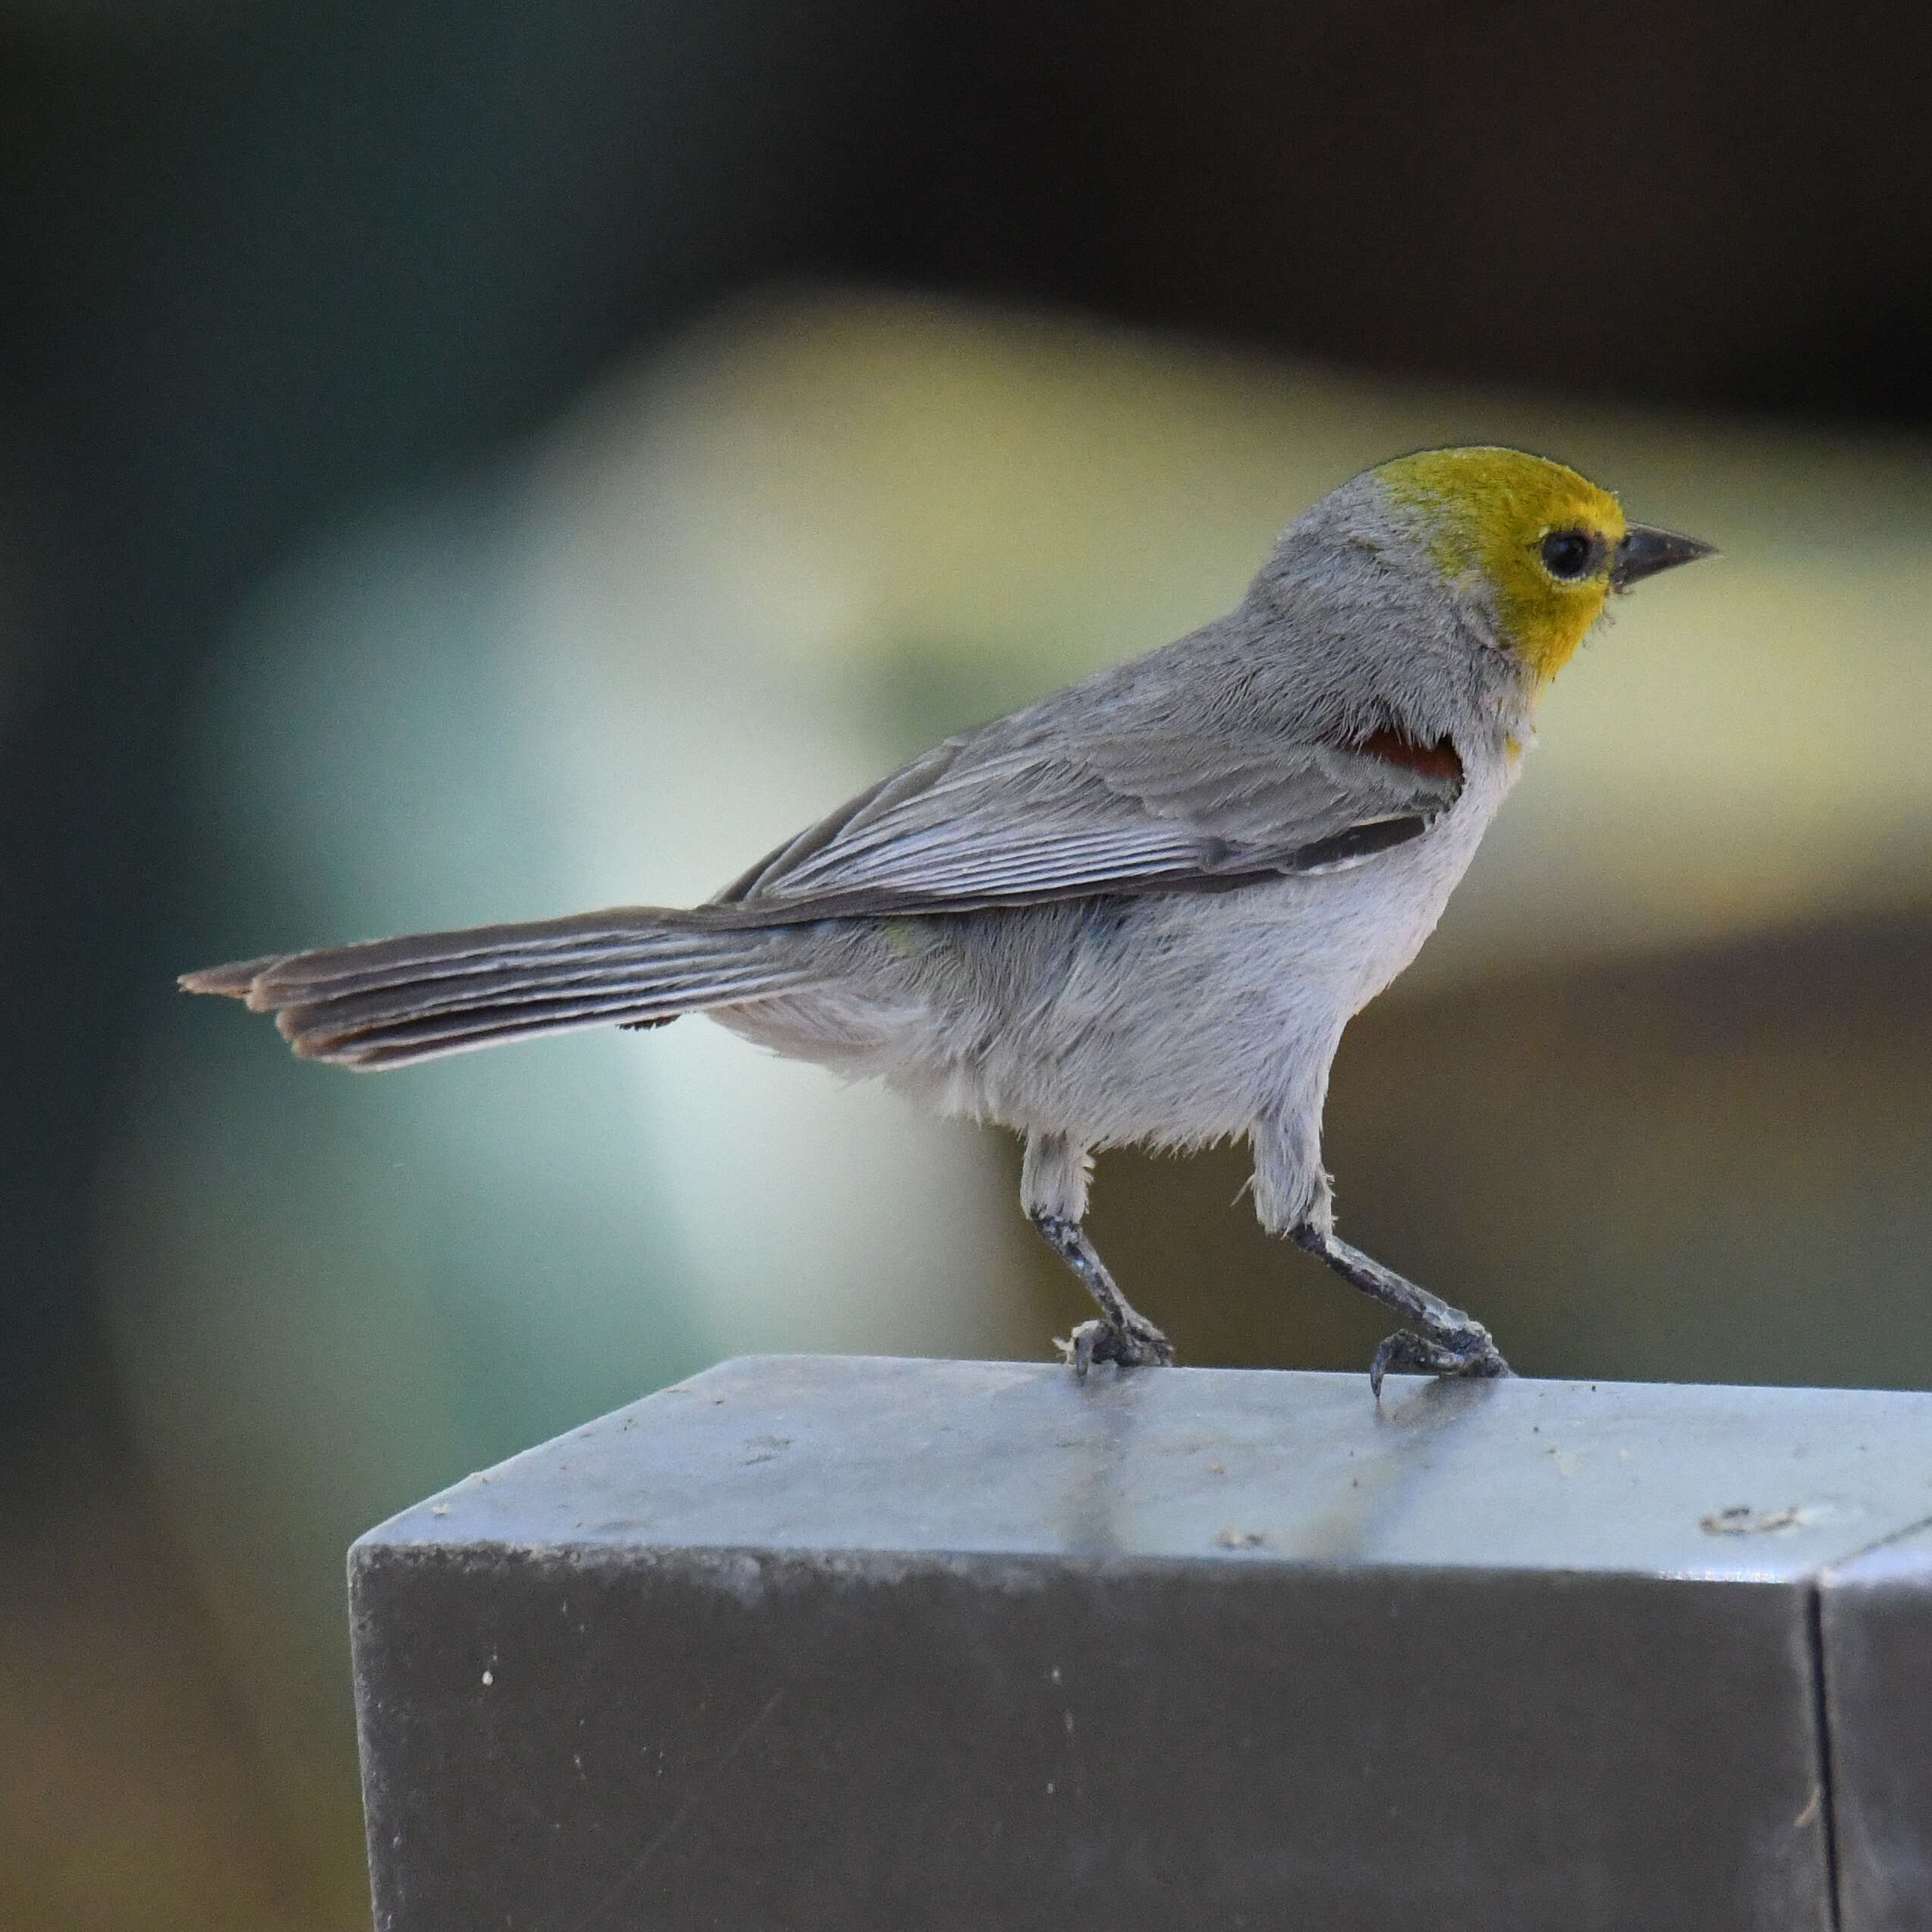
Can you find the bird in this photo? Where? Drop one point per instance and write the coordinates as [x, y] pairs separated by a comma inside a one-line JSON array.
[[1139, 911]]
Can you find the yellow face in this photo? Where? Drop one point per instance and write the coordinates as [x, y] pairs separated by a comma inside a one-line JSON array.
[[1540, 537]]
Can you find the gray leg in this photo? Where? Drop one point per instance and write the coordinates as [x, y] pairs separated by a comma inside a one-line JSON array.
[[1122, 1335], [1053, 1190], [1451, 1343], [1293, 1197]]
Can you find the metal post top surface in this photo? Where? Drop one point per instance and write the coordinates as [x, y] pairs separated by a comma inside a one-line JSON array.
[[864, 1457]]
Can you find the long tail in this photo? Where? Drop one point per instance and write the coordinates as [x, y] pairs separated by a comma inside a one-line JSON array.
[[389, 1002]]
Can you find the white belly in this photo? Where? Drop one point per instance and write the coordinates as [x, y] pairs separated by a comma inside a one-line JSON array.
[[1175, 1019]]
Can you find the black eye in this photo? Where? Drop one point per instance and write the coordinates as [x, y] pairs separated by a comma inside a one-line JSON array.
[[1567, 554]]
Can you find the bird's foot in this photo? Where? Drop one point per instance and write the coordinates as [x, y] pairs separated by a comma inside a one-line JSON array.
[[1137, 1343], [1450, 1343], [1474, 1355], [1120, 1336]]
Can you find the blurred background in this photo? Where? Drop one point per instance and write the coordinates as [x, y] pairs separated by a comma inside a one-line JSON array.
[[462, 461]]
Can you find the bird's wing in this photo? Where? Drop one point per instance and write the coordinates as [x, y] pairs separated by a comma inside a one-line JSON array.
[[1021, 817]]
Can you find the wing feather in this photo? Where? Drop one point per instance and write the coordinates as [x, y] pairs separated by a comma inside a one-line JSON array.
[[1016, 816]]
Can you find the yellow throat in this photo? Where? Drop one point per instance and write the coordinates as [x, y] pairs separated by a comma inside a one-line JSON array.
[[1488, 513]]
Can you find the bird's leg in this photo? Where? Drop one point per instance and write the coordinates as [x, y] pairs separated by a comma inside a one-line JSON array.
[[1053, 1191], [1450, 1343], [1293, 1197], [1122, 1335]]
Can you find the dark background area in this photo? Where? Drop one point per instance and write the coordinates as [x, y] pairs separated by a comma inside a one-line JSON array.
[[265, 262]]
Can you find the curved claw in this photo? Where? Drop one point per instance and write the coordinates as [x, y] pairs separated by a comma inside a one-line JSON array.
[[1138, 1345], [1406, 1350]]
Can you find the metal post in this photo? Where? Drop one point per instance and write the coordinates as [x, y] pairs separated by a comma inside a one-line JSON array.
[[816, 1642]]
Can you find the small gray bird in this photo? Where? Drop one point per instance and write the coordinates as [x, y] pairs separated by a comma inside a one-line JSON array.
[[1142, 910]]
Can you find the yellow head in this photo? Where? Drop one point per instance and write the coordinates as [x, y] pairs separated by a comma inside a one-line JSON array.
[[1547, 544]]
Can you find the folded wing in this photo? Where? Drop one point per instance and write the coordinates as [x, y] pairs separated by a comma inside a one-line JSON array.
[[1012, 817]]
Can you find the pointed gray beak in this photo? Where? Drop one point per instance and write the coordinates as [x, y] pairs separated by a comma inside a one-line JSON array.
[[1644, 551]]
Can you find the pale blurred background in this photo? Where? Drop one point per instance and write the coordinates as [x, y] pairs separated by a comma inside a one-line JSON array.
[[461, 461]]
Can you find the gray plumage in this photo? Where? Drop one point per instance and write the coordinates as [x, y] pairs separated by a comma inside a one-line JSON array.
[[1141, 910]]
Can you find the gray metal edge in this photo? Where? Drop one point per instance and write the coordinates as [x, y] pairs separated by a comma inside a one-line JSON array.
[[875, 1458]]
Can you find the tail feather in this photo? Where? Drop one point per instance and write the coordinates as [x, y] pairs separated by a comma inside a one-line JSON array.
[[233, 980], [486, 980], [316, 1033], [387, 1002], [596, 937]]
